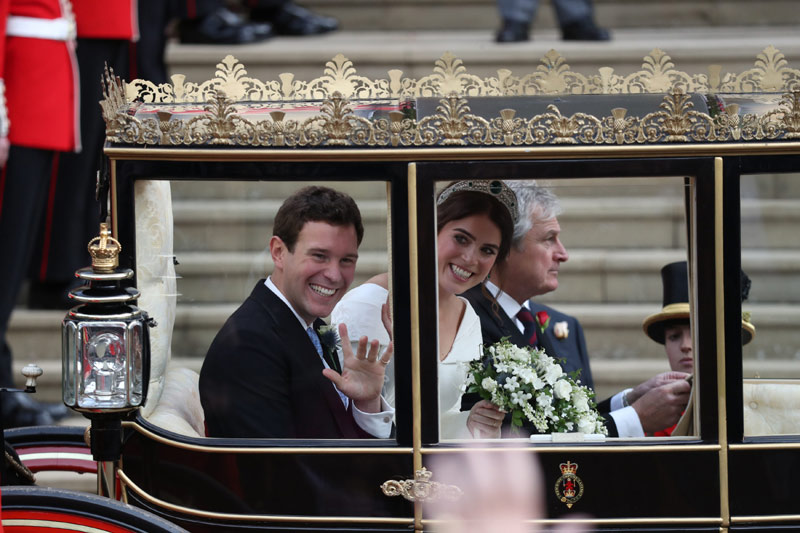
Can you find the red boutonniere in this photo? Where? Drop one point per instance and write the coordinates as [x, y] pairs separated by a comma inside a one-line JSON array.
[[543, 319]]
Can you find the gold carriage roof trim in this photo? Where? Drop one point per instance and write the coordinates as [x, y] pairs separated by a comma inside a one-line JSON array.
[[552, 75], [233, 109]]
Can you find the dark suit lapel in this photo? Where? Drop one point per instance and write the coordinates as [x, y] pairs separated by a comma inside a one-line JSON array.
[[502, 325], [545, 338], [295, 338], [343, 417], [511, 330], [546, 343]]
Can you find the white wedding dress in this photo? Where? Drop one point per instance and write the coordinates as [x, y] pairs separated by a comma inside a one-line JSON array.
[[360, 310]]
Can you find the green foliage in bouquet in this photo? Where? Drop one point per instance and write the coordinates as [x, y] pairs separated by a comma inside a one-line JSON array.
[[532, 386]]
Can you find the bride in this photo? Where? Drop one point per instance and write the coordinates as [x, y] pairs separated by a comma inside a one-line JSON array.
[[475, 223]]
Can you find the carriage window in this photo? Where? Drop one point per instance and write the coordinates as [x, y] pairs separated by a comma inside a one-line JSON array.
[[236, 369], [590, 270], [770, 256]]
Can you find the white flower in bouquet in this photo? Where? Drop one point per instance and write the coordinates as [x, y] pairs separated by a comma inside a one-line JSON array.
[[580, 400], [586, 424], [527, 375], [552, 372], [538, 383], [533, 387], [511, 384], [489, 384], [562, 389], [544, 399]]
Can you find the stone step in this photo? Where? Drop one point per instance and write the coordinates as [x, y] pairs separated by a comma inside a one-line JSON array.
[[415, 52], [273, 190], [246, 225], [391, 15], [229, 276], [189, 196], [591, 275], [238, 226]]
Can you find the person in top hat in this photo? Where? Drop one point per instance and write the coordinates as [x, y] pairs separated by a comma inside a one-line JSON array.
[[671, 326]]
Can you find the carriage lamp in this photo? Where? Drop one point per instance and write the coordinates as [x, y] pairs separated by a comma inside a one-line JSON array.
[[105, 342]]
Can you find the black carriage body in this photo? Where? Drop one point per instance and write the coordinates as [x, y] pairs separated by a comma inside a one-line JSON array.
[[686, 485], [717, 479]]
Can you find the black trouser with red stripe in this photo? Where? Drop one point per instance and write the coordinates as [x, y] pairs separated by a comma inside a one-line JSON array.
[[24, 184], [72, 216]]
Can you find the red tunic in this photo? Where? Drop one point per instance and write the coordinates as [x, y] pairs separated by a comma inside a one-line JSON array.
[[4, 4], [41, 79], [665, 432], [106, 19]]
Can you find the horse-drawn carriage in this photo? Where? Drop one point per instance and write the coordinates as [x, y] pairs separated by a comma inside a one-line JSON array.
[[652, 167]]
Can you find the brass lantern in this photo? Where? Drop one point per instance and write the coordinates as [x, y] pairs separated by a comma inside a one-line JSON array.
[[105, 342]]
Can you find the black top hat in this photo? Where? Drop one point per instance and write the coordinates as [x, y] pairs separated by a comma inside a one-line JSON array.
[[675, 279]]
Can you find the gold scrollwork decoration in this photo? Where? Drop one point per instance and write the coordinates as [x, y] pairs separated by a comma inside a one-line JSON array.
[[790, 107], [421, 488], [234, 109], [553, 75], [771, 73], [677, 121]]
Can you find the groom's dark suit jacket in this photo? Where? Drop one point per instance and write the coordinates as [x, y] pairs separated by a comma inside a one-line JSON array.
[[571, 351], [262, 378]]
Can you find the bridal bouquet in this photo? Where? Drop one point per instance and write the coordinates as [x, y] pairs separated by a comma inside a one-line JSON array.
[[532, 386]]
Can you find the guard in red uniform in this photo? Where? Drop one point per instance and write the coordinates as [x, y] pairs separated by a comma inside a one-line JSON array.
[[40, 71], [105, 29]]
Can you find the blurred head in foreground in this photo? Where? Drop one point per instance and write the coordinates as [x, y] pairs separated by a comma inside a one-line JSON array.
[[502, 491]]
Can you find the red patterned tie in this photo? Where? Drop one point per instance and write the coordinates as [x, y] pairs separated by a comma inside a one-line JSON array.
[[526, 317]]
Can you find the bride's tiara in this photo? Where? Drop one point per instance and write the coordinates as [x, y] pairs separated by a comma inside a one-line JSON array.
[[496, 188]]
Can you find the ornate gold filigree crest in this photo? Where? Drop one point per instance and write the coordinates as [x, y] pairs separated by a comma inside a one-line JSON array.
[[421, 488], [342, 108]]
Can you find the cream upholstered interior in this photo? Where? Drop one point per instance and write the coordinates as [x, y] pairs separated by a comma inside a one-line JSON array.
[[771, 407], [179, 409], [155, 275], [173, 400]]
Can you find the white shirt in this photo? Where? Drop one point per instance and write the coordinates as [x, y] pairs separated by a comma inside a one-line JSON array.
[[626, 418], [377, 424]]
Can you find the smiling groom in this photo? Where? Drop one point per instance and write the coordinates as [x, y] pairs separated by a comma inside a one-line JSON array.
[[267, 374]]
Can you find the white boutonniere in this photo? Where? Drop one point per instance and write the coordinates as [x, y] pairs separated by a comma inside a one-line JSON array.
[[561, 330]]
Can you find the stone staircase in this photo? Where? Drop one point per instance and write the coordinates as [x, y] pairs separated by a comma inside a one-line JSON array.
[[618, 241], [424, 15]]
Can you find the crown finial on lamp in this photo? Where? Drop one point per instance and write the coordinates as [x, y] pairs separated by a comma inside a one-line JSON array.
[[104, 250]]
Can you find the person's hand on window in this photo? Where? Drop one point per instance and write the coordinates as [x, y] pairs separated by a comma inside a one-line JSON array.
[[656, 381], [662, 406], [362, 374]]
